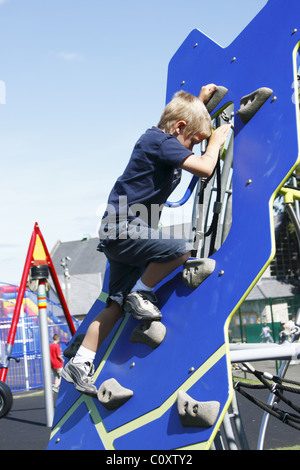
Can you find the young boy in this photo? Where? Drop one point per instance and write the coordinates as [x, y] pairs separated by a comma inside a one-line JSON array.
[[57, 361], [138, 255]]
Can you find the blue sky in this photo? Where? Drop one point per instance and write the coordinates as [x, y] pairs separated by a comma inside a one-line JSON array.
[[83, 80]]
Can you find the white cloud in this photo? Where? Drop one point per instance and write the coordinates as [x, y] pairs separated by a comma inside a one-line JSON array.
[[68, 56]]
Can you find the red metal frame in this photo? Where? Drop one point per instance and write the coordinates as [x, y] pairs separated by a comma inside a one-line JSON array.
[[28, 263]]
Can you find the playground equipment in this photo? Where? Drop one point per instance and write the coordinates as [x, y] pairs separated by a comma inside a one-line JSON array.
[[26, 374], [176, 395], [38, 264]]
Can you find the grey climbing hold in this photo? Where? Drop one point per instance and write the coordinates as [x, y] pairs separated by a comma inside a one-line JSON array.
[[216, 98], [194, 413], [151, 333], [195, 271], [251, 103], [112, 395], [72, 348]]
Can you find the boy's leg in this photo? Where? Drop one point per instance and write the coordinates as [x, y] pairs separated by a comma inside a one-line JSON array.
[[57, 378], [156, 272], [101, 326], [140, 302], [140, 246], [80, 369]]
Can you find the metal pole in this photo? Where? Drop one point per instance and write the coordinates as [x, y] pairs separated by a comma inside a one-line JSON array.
[[238, 423], [229, 433], [265, 420], [64, 264], [246, 353], [241, 326], [272, 318], [44, 338], [294, 220]]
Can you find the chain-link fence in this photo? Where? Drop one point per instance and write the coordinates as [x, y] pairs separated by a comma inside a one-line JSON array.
[[25, 368]]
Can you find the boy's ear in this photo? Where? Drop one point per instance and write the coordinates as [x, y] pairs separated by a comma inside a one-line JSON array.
[[179, 127]]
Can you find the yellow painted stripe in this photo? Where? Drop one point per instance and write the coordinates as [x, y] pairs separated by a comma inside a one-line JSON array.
[[69, 413], [98, 423], [109, 438], [103, 297], [111, 346]]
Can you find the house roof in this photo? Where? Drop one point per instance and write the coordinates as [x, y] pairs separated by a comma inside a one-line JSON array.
[[86, 269], [85, 259], [81, 292], [270, 288]]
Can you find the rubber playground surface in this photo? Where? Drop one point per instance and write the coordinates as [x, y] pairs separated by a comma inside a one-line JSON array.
[[24, 428]]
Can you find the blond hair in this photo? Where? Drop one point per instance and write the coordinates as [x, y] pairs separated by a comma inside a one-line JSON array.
[[188, 108]]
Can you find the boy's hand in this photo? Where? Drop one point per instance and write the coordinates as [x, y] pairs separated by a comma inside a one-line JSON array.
[[219, 136], [207, 91]]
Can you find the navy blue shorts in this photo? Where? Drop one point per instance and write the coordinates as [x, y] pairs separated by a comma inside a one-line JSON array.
[[132, 250]]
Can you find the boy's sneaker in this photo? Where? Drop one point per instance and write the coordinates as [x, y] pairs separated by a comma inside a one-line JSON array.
[[81, 375], [141, 305]]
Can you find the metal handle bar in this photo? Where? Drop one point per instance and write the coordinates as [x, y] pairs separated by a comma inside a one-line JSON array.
[[187, 194]]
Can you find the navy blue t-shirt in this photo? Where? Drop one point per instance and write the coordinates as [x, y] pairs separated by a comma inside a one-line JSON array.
[[148, 179]]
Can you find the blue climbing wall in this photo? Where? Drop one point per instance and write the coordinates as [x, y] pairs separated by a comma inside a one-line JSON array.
[[194, 357]]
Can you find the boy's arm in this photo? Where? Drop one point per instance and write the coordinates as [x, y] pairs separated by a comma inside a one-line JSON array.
[[59, 355], [203, 167]]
